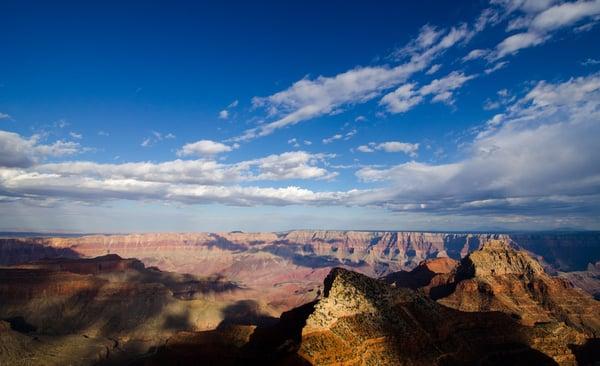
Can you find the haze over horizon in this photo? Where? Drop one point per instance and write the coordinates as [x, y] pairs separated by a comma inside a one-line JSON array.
[[458, 116]]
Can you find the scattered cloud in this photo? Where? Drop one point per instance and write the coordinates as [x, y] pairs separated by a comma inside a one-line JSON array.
[[504, 98], [540, 156], [496, 67], [224, 114], [146, 142], [590, 62], [310, 98], [205, 148], [338, 136], [4, 116], [61, 123], [433, 69], [406, 97], [103, 133], [475, 54], [391, 147], [156, 137], [517, 42], [293, 142], [16, 151], [541, 19], [76, 135]]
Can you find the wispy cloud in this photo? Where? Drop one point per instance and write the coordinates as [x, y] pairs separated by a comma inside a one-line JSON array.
[[339, 136], [407, 96], [155, 137], [391, 147], [541, 19], [310, 98]]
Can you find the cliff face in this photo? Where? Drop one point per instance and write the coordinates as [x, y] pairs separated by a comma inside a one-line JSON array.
[[498, 277], [287, 269], [568, 252], [588, 280], [74, 311]]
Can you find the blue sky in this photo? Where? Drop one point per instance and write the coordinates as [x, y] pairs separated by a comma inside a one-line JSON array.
[[174, 116]]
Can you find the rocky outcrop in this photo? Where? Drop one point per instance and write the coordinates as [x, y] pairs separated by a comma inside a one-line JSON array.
[[360, 320], [428, 274], [499, 277]]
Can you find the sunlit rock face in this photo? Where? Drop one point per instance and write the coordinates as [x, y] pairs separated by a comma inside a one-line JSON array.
[[360, 320], [498, 277]]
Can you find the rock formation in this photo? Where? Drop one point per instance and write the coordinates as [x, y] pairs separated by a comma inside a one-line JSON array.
[[361, 320], [78, 311], [498, 277], [588, 280], [286, 270]]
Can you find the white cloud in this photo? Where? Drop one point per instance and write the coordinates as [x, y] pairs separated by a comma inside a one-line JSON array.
[[517, 42], [4, 116], [475, 54], [338, 136], [360, 119], [146, 142], [192, 181], [541, 19], [590, 62], [433, 69], [310, 98], [496, 67], [565, 14], [204, 148], [541, 156], [76, 135], [527, 6], [61, 123], [406, 97], [402, 99], [504, 98], [365, 149], [103, 133], [290, 165], [16, 151], [155, 137], [391, 147], [224, 114], [293, 142]]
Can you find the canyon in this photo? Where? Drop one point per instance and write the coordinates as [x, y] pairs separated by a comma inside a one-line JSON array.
[[300, 297]]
